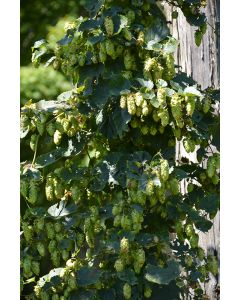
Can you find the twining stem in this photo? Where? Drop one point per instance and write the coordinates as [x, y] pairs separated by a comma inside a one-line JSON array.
[[54, 118], [35, 151]]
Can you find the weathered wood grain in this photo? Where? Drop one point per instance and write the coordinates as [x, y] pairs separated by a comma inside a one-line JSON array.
[[202, 64]]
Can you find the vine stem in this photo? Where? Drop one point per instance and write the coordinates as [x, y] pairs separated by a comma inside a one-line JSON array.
[[35, 152], [214, 29], [54, 118]]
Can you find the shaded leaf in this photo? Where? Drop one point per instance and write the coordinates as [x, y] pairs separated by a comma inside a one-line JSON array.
[[92, 6], [146, 83], [61, 209], [82, 295], [89, 24], [66, 40], [156, 32], [161, 275], [74, 146], [192, 90], [128, 276], [87, 276]]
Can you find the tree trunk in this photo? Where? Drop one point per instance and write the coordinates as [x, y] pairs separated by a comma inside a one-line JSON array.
[[202, 64]]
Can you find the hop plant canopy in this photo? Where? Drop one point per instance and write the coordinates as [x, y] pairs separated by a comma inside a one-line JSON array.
[[103, 211]]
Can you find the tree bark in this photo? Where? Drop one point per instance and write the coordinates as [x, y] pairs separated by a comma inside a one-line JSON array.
[[202, 64]]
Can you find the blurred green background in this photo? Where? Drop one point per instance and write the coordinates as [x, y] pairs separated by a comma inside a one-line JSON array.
[[42, 19]]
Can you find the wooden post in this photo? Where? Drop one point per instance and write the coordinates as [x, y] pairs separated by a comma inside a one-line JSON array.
[[202, 64]]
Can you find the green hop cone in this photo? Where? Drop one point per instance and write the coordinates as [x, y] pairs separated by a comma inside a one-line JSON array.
[[144, 129], [81, 60], [200, 253], [59, 236], [58, 188], [117, 221], [137, 267], [134, 123], [76, 192], [129, 60], [169, 71], [102, 53], [139, 99], [119, 265], [189, 145], [40, 127], [147, 292], [164, 170], [215, 179], [190, 187], [116, 210], [164, 116], [217, 160], [39, 224], [127, 291], [50, 230], [72, 283], [90, 239], [131, 104], [49, 189], [24, 187], [35, 265], [212, 265], [65, 255], [177, 133], [52, 246], [57, 227], [202, 177], [55, 257], [33, 192], [174, 186], [140, 257], [158, 72], [55, 297], [194, 241], [41, 249], [109, 26], [65, 124], [57, 137], [51, 129], [156, 116], [189, 230], [153, 130], [123, 102], [188, 260], [190, 106], [27, 231], [176, 106], [127, 34], [44, 295], [130, 16], [124, 245], [206, 105], [136, 216], [126, 223], [33, 141], [110, 50], [150, 188], [37, 290], [211, 167], [80, 239], [145, 111], [27, 265], [161, 97]]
